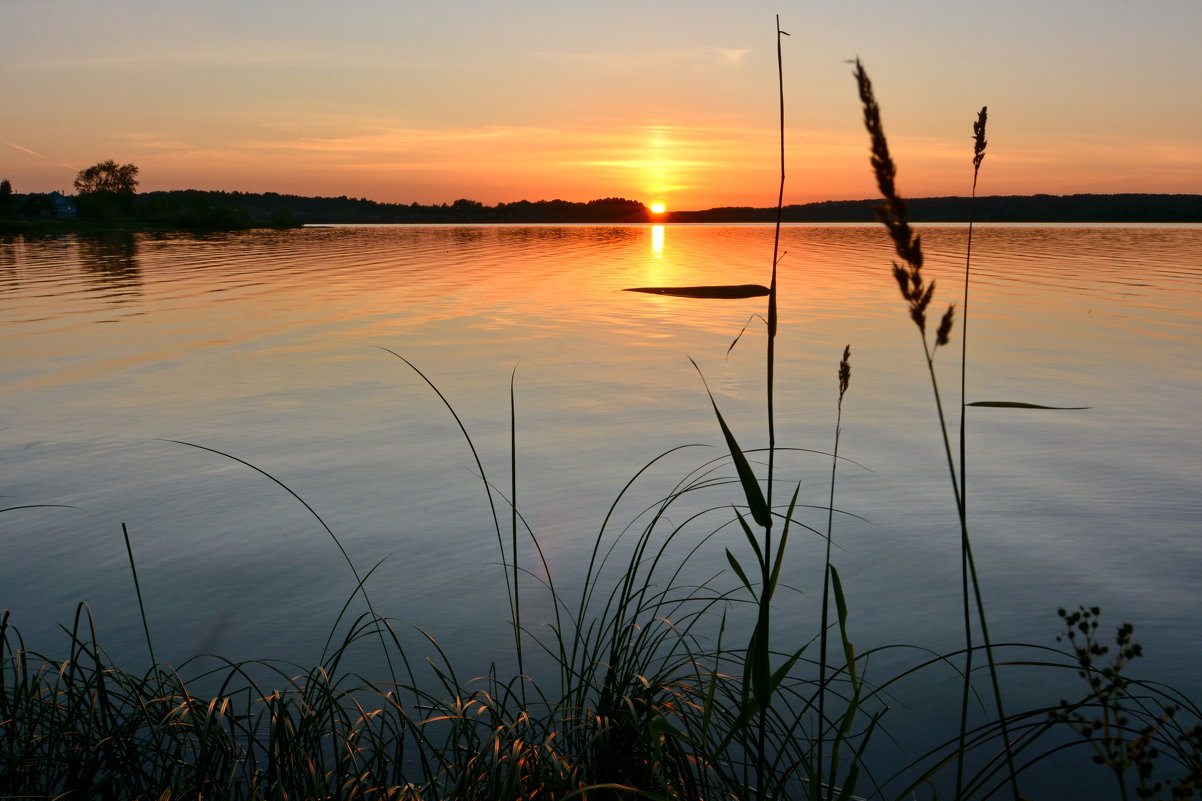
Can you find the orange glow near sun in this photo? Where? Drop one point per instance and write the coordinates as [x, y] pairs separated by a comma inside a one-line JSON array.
[[657, 208]]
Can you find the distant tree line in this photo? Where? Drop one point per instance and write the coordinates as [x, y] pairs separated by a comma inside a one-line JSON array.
[[997, 208], [107, 196], [269, 206], [343, 209]]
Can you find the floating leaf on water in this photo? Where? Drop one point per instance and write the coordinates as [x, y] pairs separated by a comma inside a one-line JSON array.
[[1021, 405], [724, 291]]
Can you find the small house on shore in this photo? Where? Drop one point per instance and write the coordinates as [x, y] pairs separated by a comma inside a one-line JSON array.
[[48, 205], [63, 207]]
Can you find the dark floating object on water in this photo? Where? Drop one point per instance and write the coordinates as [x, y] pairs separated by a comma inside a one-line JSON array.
[[725, 291], [1021, 405]]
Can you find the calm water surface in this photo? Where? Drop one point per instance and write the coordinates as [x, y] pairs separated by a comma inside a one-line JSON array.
[[269, 347]]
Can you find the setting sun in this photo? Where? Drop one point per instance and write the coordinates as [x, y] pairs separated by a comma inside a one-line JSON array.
[[657, 208]]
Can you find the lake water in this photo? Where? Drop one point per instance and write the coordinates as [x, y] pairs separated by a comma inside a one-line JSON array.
[[269, 347]]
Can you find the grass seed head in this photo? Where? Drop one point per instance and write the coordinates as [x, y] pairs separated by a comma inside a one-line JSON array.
[[945, 327], [892, 212], [978, 133], [844, 371]]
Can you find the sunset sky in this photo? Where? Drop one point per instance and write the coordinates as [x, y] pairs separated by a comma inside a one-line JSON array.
[[659, 101]]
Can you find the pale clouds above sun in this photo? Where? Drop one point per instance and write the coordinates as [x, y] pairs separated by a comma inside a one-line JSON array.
[[673, 101]]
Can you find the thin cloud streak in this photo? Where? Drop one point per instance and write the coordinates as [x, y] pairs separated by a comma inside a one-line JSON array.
[[27, 150], [43, 158]]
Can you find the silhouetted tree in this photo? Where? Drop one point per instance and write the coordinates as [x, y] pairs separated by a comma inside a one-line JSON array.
[[6, 196], [464, 210], [106, 190], [107, 176]]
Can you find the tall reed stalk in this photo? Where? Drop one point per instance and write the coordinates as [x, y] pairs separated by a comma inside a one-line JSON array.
[[827, 571], [765, 605], [967, 566]]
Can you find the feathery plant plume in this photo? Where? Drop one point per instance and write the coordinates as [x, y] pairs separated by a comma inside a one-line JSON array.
[[943, 334], [844, 374], [978, 149], [895, 217]]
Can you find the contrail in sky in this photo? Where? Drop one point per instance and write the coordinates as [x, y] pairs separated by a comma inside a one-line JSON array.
[[39, 155], [27, 150]]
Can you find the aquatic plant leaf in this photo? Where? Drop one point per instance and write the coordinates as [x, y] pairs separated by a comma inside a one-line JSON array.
[[758, 668], [1021, 405], [133, 567], [708, 714], [751, 485], [780, 549], [658, 727], [743, 330], [849, 784], [849, 651], [719, 292], [734, 563], [782, 672], [755, 545], [41, 506]]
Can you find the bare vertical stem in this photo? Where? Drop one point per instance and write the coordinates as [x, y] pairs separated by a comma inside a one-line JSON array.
[[966, 552], [978, 129], [765, 600], [844, 379], [513, 522]]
